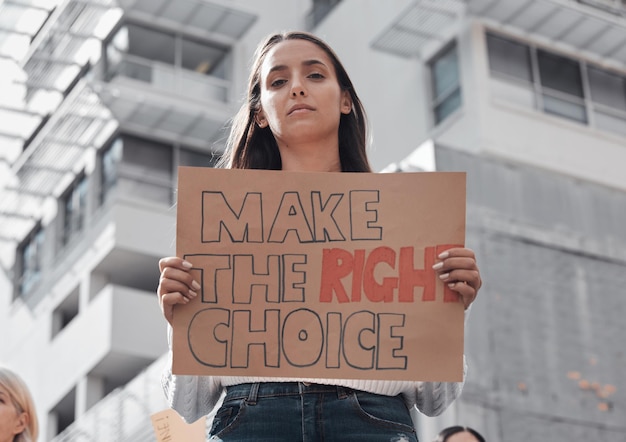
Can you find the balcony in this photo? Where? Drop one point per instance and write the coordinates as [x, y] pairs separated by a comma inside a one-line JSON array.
[[424, 24], [148, 96], [124, 414], [56, 153], [169, 79], [595, 27], [105, 339]]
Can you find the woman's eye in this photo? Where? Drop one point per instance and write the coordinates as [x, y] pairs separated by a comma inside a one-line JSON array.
[[316, 75], [277, 83]]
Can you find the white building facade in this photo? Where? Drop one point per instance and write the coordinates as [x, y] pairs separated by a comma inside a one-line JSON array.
[[106, 98]]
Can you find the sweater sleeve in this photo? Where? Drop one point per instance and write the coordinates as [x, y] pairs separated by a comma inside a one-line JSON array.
[[433, 398], [190, 396]]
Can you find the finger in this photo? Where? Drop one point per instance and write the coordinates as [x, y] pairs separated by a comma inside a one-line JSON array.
[[450, 264], [167, 303], [174, 279], [183, 290], [171, 299], [468, 293], [459, 258], [175, 262], [460, 261], [470, 277], [457, 252]]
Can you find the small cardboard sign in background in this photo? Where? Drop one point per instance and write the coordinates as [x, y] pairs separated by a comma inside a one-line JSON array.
[[169, 427], [319, 275]]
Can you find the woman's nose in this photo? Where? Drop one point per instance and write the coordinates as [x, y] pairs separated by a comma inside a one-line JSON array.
[[298, 89]]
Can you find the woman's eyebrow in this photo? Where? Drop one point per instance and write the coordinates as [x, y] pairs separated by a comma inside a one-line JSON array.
[[313, 62], [282, 67]]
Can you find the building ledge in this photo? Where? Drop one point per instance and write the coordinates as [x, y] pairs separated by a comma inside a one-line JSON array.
[[596, 27], [572, 23]]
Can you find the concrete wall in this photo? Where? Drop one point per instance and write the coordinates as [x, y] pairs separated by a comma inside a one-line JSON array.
[[544, 342]]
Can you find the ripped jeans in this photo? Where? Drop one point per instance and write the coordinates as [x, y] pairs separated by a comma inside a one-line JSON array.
[[297, 411]]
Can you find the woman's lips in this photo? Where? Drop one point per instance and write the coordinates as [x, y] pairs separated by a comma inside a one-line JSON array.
[[300, 108]]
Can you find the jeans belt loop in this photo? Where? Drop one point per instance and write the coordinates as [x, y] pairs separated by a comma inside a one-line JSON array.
[[254, 392], [342, 392]]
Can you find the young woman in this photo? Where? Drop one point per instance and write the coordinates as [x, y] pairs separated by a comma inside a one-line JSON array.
[[303, 114], [18, 419]]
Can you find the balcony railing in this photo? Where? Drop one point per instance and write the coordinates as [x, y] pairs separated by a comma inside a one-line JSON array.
[[123, 415], [172, 79]]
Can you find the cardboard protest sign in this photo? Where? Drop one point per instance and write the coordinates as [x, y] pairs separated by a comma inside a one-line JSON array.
[[319, 275], [169, 427]]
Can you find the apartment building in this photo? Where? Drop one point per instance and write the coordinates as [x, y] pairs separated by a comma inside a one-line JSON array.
[[106, 98]]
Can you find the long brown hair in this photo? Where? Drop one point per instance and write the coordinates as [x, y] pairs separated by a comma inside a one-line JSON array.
[[252, 147]]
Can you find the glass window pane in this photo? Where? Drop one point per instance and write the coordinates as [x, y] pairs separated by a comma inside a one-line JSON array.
[[607, 88], [141, 42], [202, 57], [445, 71], [560, 73], [509, 58], [75, 209], [195, 158], [610, 122], [446, 83], [111, 159], [564, 108], [149, 44], [447, 106], [30, 261], [147, 158], [146, 169]]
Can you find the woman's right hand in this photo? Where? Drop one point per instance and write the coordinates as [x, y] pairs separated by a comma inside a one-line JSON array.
[[176, 285]]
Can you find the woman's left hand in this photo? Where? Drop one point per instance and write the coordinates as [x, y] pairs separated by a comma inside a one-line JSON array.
[[459, 270]]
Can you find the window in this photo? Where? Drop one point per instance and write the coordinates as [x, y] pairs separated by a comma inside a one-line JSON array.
[[65, 312], [608, 94], [560, 85], [74, 209], [509, 58], [111, 159], [446, 83], [133, 50], [188, 157], [63, 414], [202, 58], [141, 44], [29, 261], [137, 167]]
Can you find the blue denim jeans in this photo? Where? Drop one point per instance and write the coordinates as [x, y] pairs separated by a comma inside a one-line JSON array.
[[295, 411]]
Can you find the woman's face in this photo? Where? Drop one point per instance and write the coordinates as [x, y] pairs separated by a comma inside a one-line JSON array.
[[11, 422], [301, 100]]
